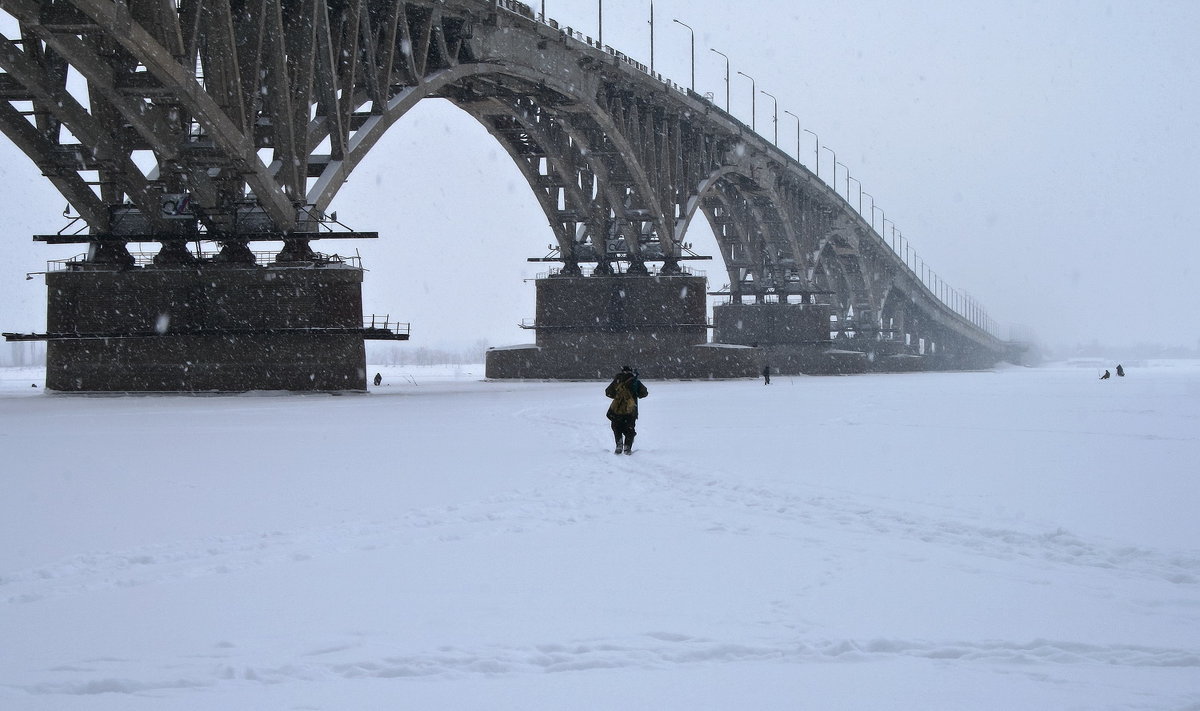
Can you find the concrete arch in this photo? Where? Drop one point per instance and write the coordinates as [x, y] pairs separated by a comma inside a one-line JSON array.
[[442, 84], [894, 309], [765, 229], [844, 270], [830, 275], [705, 189], [743, 229]]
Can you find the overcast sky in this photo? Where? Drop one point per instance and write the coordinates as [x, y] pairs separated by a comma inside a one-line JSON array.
[[1041, 156]]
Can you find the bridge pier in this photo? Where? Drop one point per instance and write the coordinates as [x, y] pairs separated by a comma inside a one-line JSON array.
[[794, 338], [963, 357], [587, 327], [887, 355], [222, 326]]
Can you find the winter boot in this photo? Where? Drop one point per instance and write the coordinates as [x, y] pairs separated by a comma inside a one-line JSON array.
[[628, 445], [618, 449]]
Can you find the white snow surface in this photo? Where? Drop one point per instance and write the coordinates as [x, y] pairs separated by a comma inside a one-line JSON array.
[[1013, 539]]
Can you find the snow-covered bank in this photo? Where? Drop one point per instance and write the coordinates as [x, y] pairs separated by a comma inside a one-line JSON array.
[[1018, 539]]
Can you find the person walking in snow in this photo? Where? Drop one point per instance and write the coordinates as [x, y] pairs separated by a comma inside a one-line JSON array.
[[1120, 371], [378, 379], [1106, 375], [625, 390], [767, 374]]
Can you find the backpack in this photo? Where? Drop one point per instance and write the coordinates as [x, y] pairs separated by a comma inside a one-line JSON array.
[[624, 403]]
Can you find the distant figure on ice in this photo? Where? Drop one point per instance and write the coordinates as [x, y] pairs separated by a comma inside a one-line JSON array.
[[767, 374], [1106, 375], [625, 391], [1120, 371], [378, 379]]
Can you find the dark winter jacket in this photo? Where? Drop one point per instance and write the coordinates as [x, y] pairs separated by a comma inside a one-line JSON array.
[[625, 391]]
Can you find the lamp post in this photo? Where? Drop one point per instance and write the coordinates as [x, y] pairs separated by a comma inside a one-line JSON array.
[[789, 113], [693, 33], [883, 230], [835, 165], [543, 10], [774, 115], [860, 194], [894, 231], [847, 178], [651, 37], [816, 151], [859, 182], [753, 102], [726, 56]]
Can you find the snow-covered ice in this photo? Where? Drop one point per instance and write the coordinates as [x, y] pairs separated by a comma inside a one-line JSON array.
[[1016, 539]]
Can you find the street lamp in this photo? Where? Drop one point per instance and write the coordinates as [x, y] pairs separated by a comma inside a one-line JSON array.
[[726, 56], [856, 180], [651, 37], [775, 116], [860, 194], [753, 101], [789, 113], [817, 151], [693, 32], [835, 165], [847, 178], [600, 35]]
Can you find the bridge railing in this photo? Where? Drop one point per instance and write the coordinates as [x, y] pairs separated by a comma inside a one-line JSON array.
[[261, 258], [525, 11], [783, 297], [653, 271], [531, 324], [375, 322]]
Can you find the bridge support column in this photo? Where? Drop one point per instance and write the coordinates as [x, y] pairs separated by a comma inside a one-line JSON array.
[[892, 355], [959, 354], [226, 327], [793, 337], [588, 327]]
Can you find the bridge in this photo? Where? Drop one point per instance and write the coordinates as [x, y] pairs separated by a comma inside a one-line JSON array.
[[230, 122]]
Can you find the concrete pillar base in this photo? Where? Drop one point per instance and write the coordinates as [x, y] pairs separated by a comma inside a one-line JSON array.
[[813, 359], [210, 329], [588, 327], [699, 362]]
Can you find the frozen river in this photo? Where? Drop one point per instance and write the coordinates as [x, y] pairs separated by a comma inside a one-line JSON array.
[[1015, 539]]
